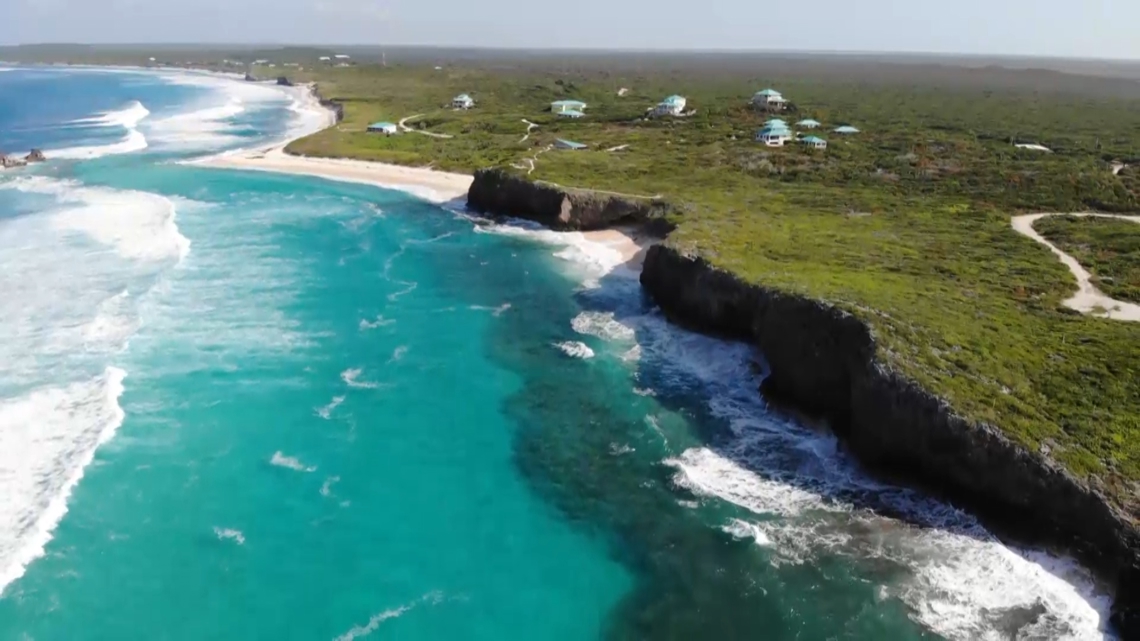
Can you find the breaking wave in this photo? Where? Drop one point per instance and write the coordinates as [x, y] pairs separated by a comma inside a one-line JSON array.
[[127, 118]]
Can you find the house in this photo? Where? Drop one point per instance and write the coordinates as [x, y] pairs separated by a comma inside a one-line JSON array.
[[846, 129], [769, 99], [462, 101], [341, 56], [325, 58], [568, 144], [774, 135], [261, 62], [809, 124], [776, 121], [570, 113], [814, 142], [562, 106], [671, 106], [386, 128]]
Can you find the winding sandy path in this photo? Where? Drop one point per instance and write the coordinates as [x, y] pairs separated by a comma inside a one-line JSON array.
[[405, 127], [529, 126], [1088, 299]]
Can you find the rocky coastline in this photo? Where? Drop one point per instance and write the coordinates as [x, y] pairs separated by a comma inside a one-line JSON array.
[[824, 361], [33, 156]]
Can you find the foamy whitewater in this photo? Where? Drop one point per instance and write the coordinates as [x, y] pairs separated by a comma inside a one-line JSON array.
[[244, 405]]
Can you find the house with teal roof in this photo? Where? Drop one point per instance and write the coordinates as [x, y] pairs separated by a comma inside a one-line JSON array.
[[774, 135], [386, 128], [462, 101], [814, 142], [672, 106], [846, 129], [569, 144], [809, 124], [769, 99]]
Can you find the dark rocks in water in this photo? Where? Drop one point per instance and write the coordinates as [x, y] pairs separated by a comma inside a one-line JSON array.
[[499, 191], [825, 361], [283, 81], [36, 155], [11, 161], [249, 78]]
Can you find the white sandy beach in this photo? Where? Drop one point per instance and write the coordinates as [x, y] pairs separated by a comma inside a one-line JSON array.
[[429, 184]]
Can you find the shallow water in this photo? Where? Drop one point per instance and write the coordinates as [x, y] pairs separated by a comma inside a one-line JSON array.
[[241, 405]]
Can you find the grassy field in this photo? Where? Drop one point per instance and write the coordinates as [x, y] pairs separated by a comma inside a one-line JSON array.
[[906, 225], [1108, 248]]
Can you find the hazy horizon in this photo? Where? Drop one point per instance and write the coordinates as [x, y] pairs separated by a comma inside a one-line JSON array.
[[1014, 28]]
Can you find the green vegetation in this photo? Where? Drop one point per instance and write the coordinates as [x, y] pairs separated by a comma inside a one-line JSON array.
[[906, 225], [1109, 248]]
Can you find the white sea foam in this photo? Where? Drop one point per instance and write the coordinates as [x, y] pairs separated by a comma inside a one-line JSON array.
[[431, 598], [575, 349], [602, 325], [138, 225], [326, 487], [47, 438], [206, 127], [398, 354], [229, 534], [127, 119], [290, 462], [326, 411], [380, 321], [350, 376], [590, 260]]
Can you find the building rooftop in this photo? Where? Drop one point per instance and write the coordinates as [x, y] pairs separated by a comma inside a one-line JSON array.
[[673, 100], [776, 130], [808, 122], [381, 125], [771, 93], [813, 139], [570, 144], [568, 103], [846, 129]]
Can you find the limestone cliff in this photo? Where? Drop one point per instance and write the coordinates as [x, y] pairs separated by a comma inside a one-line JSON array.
[[824, 360], [502, 192]]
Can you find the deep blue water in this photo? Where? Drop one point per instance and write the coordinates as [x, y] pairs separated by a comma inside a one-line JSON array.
[[239, 405]]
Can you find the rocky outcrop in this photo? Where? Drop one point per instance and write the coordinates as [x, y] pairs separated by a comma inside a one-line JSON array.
[[501, 192], [35, 155], [332, 105], [283, 81], [11, 161], [824, 360]]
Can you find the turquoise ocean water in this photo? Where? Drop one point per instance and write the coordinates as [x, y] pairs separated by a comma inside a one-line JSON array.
[[251, 406]]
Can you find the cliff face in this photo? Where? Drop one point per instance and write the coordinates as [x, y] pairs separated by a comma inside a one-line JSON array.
[[823, 360], [501, 192]]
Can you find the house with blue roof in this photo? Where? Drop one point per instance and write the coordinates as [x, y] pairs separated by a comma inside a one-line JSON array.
[[462, 101], [562, 106], [671, 106], [774, 135], [386, 128], [846, 129], [769, 99], [809, 124], [814, 142]]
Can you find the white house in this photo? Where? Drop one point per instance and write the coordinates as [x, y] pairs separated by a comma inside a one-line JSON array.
[[462, 101], [325, 58], [774, 135], [769, 99], [564, 106], [386, 128], [341, 56], [671, 106]]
